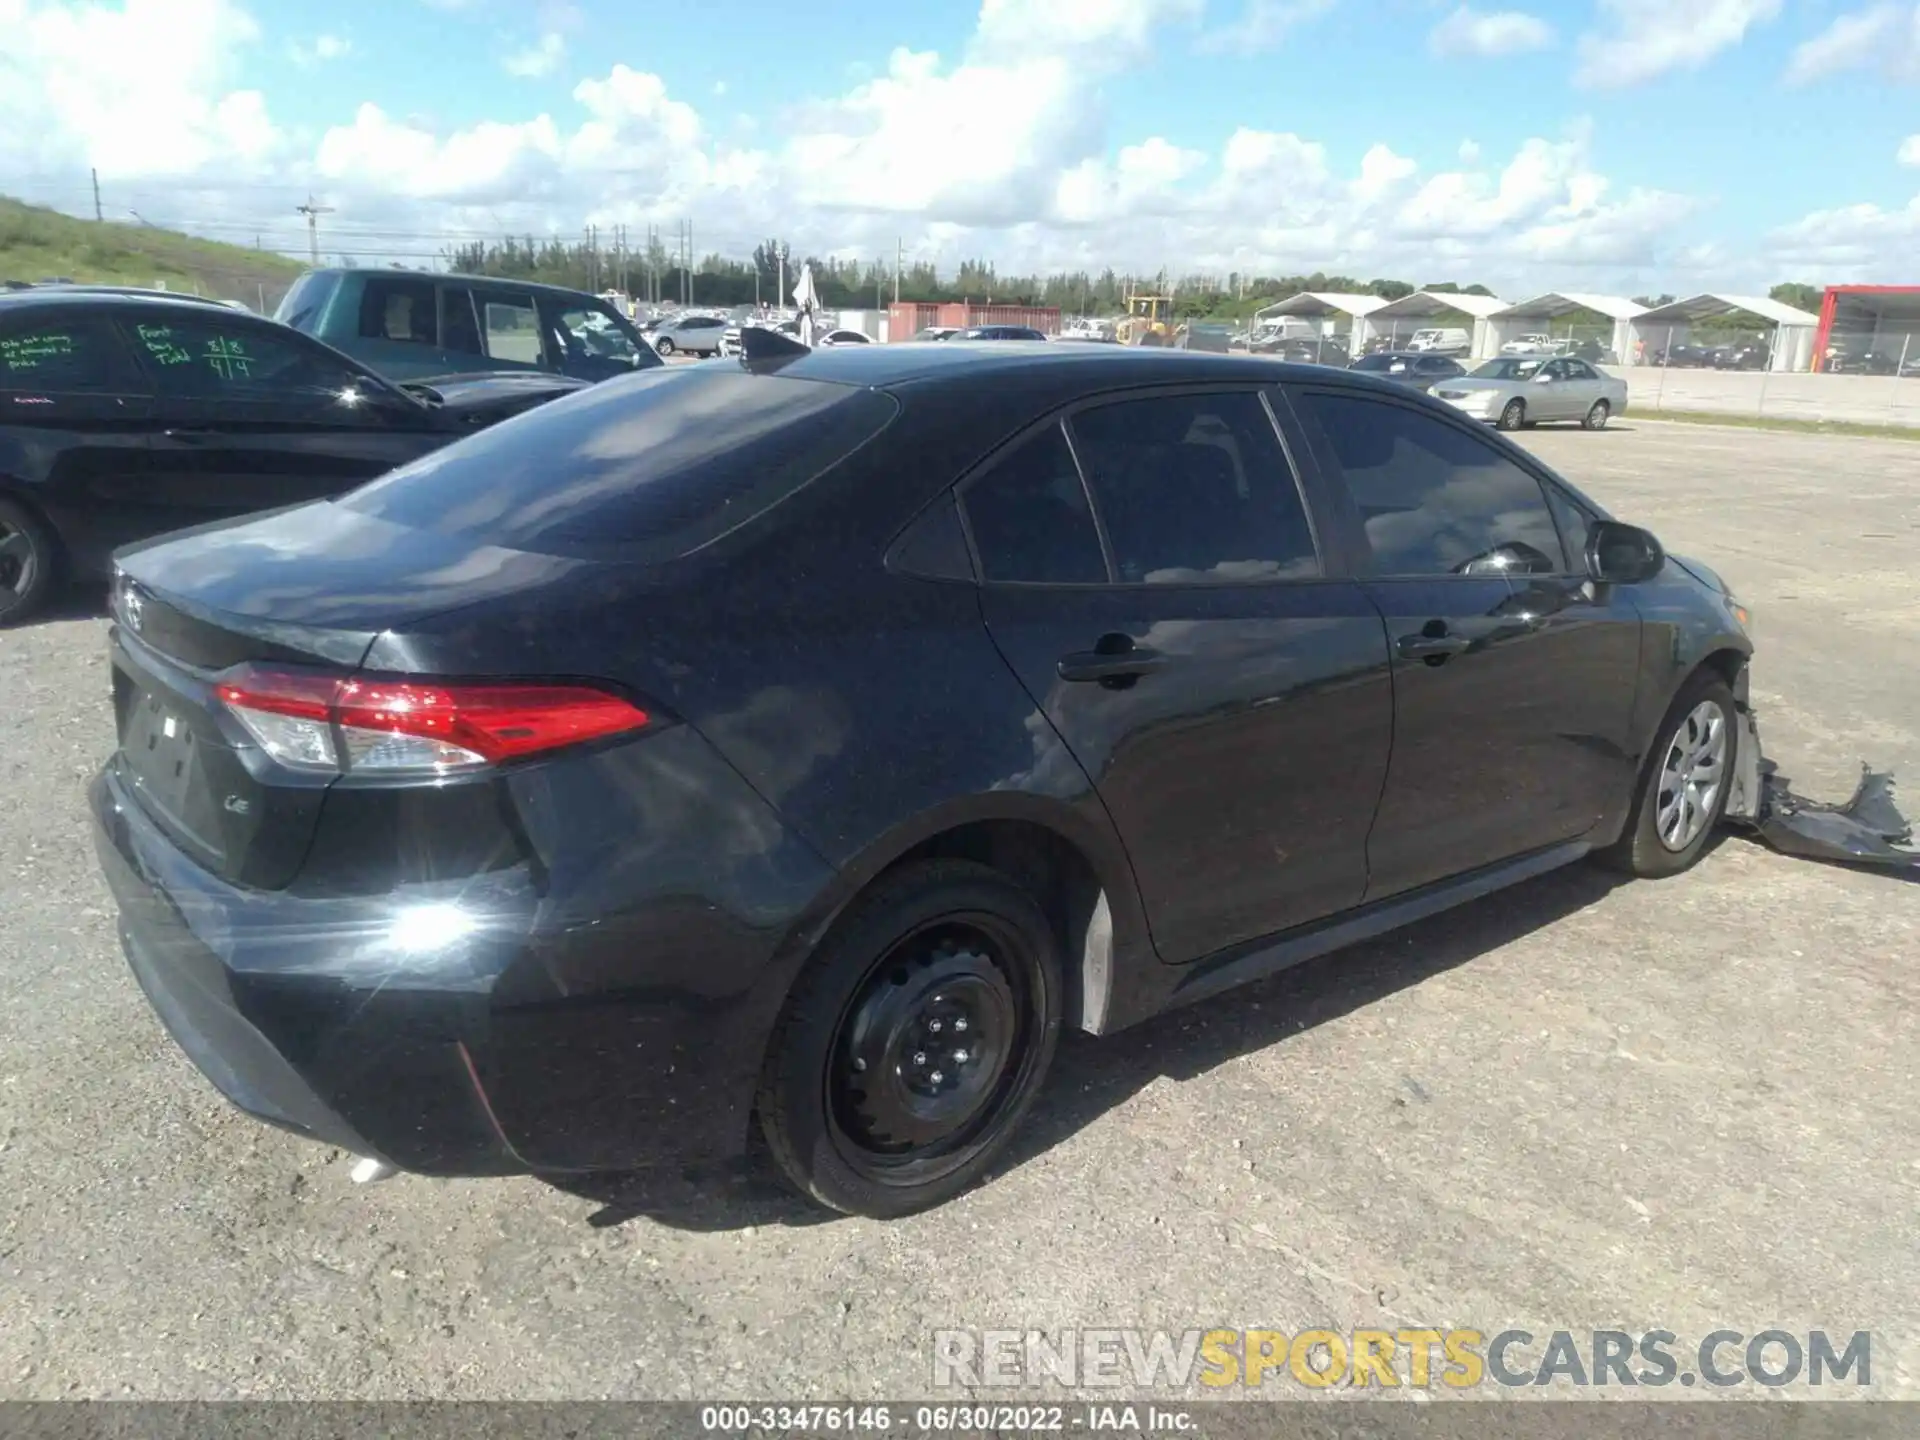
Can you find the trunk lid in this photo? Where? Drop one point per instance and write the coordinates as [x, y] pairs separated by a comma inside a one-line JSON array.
[[313, 587]]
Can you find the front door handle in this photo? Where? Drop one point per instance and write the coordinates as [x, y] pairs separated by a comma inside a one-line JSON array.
[[1104, 665], [1432, 647]]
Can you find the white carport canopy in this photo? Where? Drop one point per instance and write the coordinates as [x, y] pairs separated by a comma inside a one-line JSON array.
[[1406, 313], [1539, 313], [1321, 305], [1790, 347]]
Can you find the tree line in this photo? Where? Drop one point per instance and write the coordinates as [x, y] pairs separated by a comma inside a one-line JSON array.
[[652, 274]]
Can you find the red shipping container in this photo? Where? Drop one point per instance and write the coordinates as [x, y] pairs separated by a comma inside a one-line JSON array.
[[908, 318]]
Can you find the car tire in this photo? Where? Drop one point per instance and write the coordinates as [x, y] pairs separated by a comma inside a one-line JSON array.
[[1513, 416], [1642, 850], [873, 1031], [664, 346], [29, 562], [1598, 416]]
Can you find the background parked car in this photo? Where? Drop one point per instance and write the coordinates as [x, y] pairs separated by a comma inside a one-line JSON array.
[[1529, 345], [1441, 341], [999, 332], [1314, 350], [1853, 357], [1517, 390], [690, 335], [1417, 371], [844, 337], [406, 324], [124, 416], [1682, 357], [936, 332]]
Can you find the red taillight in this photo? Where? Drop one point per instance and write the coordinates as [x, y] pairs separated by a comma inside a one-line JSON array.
[[317, 722]]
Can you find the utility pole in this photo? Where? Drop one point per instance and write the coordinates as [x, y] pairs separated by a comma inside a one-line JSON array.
[[899, 258], [313, 213], [98, 213], [593, 258], [780, 300], [689, 263]]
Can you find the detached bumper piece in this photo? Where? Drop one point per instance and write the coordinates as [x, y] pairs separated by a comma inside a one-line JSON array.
[[1867, 830]]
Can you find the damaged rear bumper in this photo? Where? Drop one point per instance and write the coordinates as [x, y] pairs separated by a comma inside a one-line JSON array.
[[1867, 830]]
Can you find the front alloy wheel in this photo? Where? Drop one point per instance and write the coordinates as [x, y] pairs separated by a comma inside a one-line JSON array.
[[1692, 775], [1513, 416], [1682, 791]]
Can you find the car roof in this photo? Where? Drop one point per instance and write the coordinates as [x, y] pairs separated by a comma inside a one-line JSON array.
[[127, 301], [1100, 366], [437, 275]]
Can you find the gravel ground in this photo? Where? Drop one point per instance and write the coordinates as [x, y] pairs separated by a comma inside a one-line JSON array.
[[1684, 1105]]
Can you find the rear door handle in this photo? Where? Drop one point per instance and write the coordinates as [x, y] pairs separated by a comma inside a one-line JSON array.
[[1085, 665], [1432, 647]]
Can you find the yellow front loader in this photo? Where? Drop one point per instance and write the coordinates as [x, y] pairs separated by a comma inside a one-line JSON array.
[[1149, 320]]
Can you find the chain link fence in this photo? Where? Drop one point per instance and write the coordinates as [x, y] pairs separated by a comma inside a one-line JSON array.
[[1859, 378]]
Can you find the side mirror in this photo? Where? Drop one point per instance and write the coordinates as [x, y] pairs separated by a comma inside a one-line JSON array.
[[1541, 377], [1620, 554]]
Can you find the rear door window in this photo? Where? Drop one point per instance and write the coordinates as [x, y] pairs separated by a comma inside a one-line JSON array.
[[1195, 489], [51, 355], [648, 467], [398, 309], [1030, 519]]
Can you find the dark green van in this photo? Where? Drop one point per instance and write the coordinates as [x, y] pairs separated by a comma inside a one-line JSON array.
[[409, 324]]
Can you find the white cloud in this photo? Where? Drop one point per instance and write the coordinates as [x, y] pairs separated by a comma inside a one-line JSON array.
[[1885, 35], [1639, 40], [1489, 32], [539, 59], [1263, 25], [1017, 148], [1862, 244], [319, 50], [143, 89], [1909, 153]]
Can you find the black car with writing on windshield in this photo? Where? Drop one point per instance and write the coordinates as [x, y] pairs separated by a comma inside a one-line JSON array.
[[126, 415], [801, 743]]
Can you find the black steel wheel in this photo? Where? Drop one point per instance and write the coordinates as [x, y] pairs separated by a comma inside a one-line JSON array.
[[28, 562], [914, 1042]]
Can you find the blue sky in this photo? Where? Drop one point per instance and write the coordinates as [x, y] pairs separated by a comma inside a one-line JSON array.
[[1643, 144]]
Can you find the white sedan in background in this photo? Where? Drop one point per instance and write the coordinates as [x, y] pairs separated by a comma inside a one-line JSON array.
[[1517, 390]]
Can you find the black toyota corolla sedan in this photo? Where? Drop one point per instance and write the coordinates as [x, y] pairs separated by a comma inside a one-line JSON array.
[[802, 741], [126, 413]]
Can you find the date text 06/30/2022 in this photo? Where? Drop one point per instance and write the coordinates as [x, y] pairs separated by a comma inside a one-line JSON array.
[[964, 1419]]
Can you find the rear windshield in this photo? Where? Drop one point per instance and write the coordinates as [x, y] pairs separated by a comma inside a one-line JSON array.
[[651, 466]]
